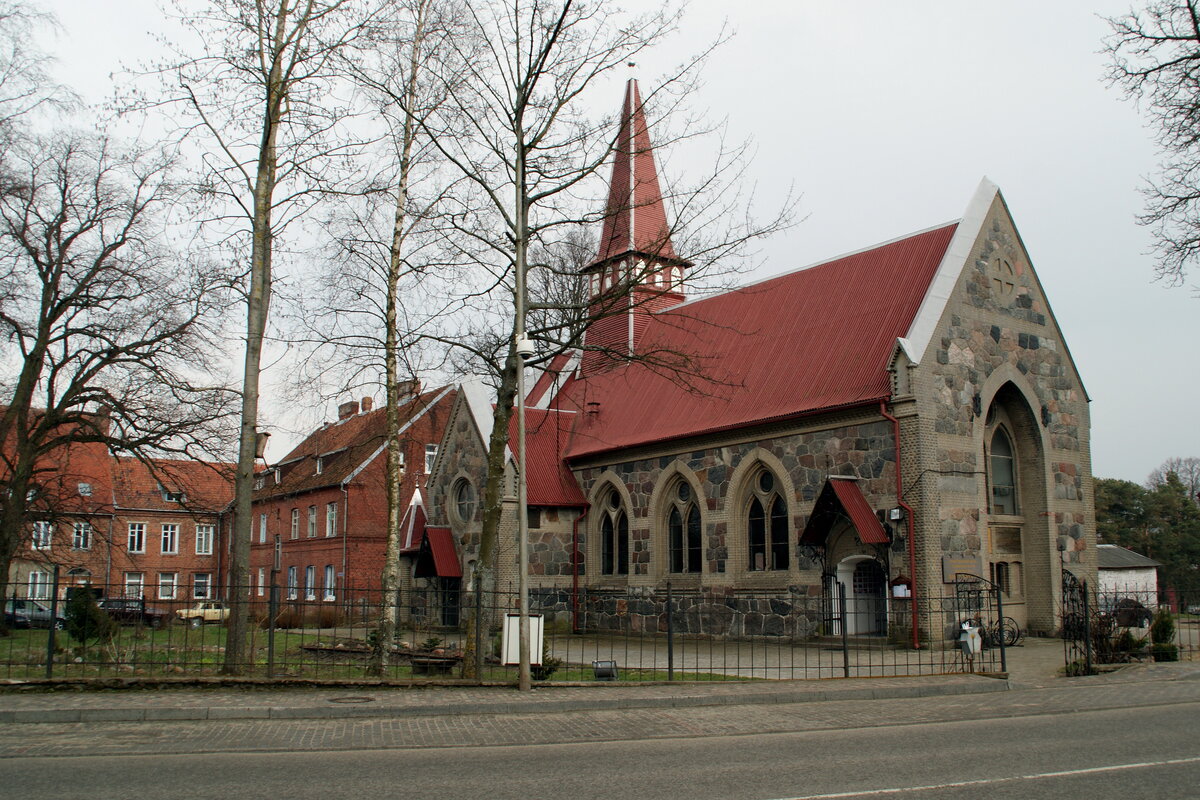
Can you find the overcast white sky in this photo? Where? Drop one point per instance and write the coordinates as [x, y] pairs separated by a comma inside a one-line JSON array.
[[885, 116]]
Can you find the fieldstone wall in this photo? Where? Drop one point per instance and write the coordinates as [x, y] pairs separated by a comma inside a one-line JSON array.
[[863, 450], [796, 613]]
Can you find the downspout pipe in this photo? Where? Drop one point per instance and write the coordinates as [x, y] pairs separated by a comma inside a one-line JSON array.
[[345, 534], [908, 516], [575, 568]]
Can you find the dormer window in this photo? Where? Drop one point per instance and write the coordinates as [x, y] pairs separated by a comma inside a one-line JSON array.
[[277, 476], [258, 483], [320, 464], [172, 497]]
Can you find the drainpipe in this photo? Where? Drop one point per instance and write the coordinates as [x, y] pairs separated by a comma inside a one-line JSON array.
[[345, 533], [575, 569], [908, 516]]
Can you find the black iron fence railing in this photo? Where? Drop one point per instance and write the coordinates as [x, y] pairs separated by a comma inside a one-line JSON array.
[[82, 631], [1119, 624]]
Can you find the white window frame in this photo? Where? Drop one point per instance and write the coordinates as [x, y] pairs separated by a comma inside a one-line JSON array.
[[84, 488], [43, 535], [291, 583], [295, 523], [262, 581], [38, 586], [204, 539], [262, 528], [312, 522], [170, 538], [168, 585], [202, 585], [331, 511], [135, 584], [330, 592], [431, 451], [310, 580], [137, 536], [81, 536]]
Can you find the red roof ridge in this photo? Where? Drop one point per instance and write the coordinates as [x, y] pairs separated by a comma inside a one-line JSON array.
[[814, 265]]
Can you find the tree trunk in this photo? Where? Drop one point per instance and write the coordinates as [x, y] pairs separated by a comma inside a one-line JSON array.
[[389, 609]]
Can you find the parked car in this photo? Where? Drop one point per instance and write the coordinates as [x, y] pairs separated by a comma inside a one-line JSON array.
[[1130, 613], [134, 611], [204, 611], [25, 613]]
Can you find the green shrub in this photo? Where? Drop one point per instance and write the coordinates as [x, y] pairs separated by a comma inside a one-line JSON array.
[[1164, 652], [86, 621], [1162, 627]]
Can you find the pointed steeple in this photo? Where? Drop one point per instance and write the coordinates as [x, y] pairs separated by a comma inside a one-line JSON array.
[[636, 257], [635, 219]]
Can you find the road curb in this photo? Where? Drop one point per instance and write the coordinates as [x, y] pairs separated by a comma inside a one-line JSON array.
[[808, 693]]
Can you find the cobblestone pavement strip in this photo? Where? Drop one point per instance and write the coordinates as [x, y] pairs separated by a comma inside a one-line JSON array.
[[475, 730]]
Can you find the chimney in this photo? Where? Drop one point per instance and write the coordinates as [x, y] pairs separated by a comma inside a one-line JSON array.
[[407, 390], [367, 404], [347, 410]]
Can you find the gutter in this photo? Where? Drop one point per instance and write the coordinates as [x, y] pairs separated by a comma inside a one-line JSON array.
[[908, 516]]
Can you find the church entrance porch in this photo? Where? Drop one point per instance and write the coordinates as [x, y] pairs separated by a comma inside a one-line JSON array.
[[862, 582]]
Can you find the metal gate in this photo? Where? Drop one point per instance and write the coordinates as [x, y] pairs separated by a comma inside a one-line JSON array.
[[1076, 625]]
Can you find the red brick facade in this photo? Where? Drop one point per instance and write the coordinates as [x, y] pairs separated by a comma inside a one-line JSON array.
[[338, 475]]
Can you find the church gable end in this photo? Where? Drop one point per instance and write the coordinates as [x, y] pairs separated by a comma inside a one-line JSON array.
[[1010, 420]]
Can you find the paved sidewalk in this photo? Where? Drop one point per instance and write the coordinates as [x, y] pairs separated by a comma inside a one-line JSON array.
[[1032, 665]]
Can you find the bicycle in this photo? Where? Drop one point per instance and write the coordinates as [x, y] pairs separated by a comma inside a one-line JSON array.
[[1005, 629]]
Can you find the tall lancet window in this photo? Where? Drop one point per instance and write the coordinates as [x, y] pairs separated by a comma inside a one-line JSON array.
[[614, 537], [683, 527], [1004, 474], [767, 528]]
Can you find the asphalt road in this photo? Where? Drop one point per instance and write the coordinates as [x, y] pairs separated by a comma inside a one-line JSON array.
[[1143, 744]]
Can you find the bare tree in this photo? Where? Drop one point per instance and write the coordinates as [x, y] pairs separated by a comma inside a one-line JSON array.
[[262, 94], [519, 128], [1154, 57], [1186, 469], [25, 84], [112, 330]]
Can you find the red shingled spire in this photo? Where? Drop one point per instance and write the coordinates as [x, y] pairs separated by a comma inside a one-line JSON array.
[[636, 256], [636, 218]]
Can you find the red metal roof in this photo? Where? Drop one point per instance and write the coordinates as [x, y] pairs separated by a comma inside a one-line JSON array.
[[841, 494], [547, 433], [438, 547], [815, 339], [635, 218]]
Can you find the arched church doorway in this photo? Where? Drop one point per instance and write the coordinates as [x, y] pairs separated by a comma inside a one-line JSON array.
[[864, 582]]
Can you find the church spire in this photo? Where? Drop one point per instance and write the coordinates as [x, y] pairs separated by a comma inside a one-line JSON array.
[[635, 220], [636, 268]]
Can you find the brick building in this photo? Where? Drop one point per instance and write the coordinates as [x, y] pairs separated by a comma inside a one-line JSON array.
[[865, 429], [127, 527], [325, 502]]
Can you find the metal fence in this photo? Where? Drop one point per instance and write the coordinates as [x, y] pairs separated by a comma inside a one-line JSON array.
[[633, 635], [1124, 624]]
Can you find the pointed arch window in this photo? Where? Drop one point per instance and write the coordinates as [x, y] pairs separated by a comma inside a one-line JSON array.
[[1003, 470], [683, 526], [614, 537], [767, 527]]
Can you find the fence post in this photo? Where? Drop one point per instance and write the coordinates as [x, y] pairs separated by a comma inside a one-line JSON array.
[[50, 636], [1000, 626], [670, 636], [479, 660], [1087, 632], [845, 630], [272, 612]]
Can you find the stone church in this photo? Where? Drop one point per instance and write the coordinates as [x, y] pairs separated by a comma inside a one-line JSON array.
[[862, 430]]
